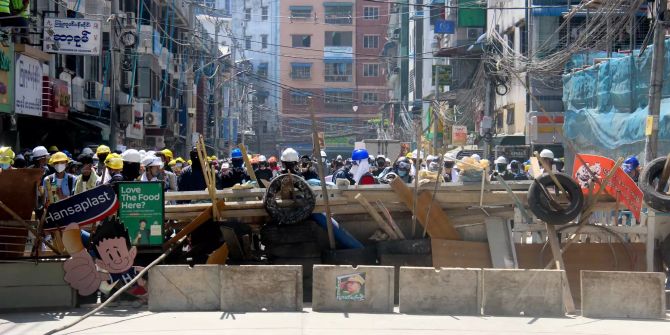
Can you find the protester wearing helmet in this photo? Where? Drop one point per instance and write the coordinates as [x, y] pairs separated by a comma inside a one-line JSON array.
[[500, 167], [546, 158], [272, 162], [6, 158], [402, 168], [152, 166], [343, 171], [289, 161], [166, 173], [307, 169], [263, 171], [54, 149], [380, 165], [60, 184], [40, 157], [20, 162], [88, 179], [113, 169], [101, 153], [131, 165], [632, 168], [192, 177], [516, 169], [450, 172], [237, 174], [361, 167]]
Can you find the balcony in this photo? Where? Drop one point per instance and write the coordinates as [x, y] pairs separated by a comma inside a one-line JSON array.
[[333, 78]]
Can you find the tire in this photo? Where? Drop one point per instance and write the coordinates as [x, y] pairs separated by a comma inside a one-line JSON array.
[[656, 200], [287, 234], [302, 207], [295, 250], [539, 204], [355, 257], [665, 251]]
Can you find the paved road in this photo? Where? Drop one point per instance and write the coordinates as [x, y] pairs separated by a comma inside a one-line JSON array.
[[140, 321]]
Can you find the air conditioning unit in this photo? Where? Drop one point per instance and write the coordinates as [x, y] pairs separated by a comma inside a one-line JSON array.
[[474, 33], [152, 119], [91, 90], [127, 79]]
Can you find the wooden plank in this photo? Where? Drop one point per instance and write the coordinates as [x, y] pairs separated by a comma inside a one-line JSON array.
[[501, 246], [568, 300], [460, 254], [376, 217], [437, 223], [203, 217], [390, 220]]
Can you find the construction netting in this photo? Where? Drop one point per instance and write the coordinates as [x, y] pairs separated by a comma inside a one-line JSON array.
[[606, 105]]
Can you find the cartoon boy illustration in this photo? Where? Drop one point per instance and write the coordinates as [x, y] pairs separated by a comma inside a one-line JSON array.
[[114, 261]]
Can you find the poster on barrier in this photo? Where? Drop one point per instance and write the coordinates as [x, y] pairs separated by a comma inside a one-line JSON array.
[[141, 210], [351, 287], [621, 186]]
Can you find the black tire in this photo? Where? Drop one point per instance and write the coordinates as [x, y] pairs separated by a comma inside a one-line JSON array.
[[539, 204], [355, 257], [648, 181], [665, 251], [302, 207], [286, 234], [295, 250]]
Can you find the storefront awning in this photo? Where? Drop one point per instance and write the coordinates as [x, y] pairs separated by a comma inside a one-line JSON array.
[[104, 128]]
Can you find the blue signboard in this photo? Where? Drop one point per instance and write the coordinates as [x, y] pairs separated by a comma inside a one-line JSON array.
[[445, 27], [83, 208]]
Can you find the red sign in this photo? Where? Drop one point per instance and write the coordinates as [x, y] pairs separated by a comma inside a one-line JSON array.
[[621, 186], [55, 98]]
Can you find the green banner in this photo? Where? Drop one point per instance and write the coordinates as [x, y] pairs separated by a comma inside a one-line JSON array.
[[142, 211]]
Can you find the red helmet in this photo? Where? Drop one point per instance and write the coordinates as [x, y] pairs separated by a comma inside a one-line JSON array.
[[272, 159]]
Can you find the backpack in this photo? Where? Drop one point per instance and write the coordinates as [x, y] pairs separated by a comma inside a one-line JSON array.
[[70, 181]]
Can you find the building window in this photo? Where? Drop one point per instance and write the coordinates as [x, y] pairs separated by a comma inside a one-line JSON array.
[[263, 69], [264, 13], [510, 116], [338, 99], [298, 99], [370, 98], [371, 13], [300, 12], [301, 71], [371, 41], [247, 42], [264, 41], [338, 13], [338, 39], [338, 72], [247, 14], [370, 70], [301, 41]]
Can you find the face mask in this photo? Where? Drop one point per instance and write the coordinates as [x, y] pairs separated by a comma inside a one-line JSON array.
[[178, 165], [60, 168], [402, 173], [4, 166]]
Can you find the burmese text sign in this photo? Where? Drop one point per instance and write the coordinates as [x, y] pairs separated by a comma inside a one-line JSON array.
[[142, 211]]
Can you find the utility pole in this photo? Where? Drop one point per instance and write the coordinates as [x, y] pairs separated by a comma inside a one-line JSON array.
[[436, 106], [404, 55], [113, 113], [656, 81], [488, 104], [217, 111]]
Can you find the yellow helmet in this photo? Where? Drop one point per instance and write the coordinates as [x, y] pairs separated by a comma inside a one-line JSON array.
[[167, 153], [172, 162], [53, 148], [409, 155], [180, 160], [6, 155], [114, 161], [189, 162], [102, 149], [58, 157]]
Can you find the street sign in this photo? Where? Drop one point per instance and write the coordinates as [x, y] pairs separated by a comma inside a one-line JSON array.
[[445, 27], [142, 211], [72, 36]]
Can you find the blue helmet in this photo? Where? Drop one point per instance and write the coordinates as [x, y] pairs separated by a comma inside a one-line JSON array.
[[236, 153], [630, 164], [359, 154]]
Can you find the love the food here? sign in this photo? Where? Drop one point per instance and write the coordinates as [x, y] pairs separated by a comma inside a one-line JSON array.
[[142, 211]]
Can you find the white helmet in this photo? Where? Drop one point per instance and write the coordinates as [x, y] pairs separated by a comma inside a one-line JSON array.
[[290, 155], [152, 160], [40, 151], [323, 154], [431, 158], [381, 156], [87, 151], [131, 156], [476, 157], [262, 158], [501, 160], [546, 153], [449, 157]]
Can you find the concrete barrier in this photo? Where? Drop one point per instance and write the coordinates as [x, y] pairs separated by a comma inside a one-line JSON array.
[[255, 288], [522, 292], [611, 294], [343, 288], [427, 290], [184, 288], [34, 286]]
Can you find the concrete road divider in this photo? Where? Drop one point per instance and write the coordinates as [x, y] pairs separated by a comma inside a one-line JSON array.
[[255, 288], [522, 292], [427, 290], [362, 289], [184, 288], [611, 294], [29, 285]]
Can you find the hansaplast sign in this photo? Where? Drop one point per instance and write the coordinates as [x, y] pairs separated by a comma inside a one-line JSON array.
[[87, 207]]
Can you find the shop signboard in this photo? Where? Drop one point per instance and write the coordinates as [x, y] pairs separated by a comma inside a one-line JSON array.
[[28, 85], [72, 36], [459, 135], [141, 210], [83, 208], [58, 105], [6, 78]]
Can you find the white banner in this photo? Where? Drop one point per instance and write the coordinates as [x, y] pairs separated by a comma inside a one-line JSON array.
[[28, 86], [72, 36]]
